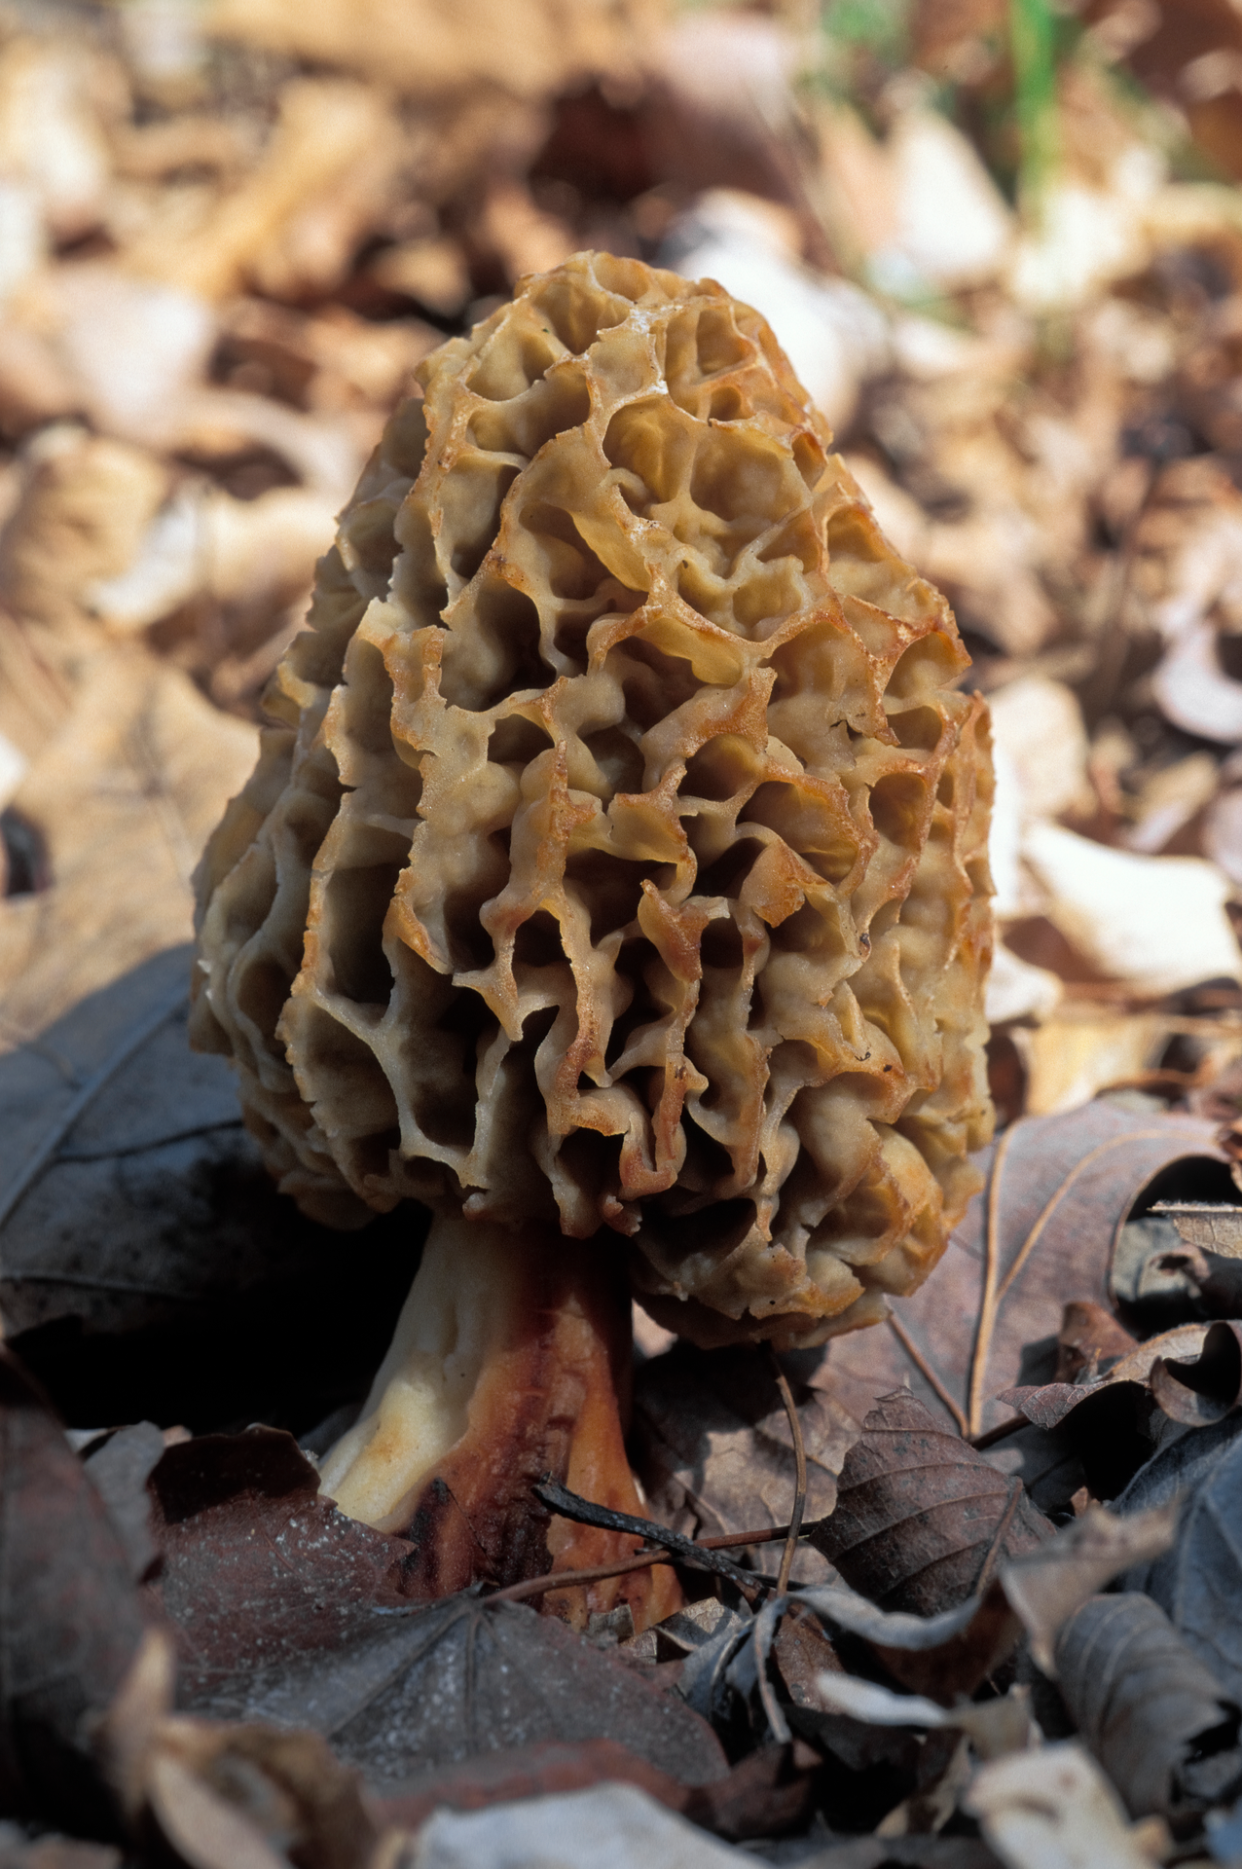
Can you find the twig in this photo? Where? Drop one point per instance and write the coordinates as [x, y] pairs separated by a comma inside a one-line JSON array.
[[799, 1450], [565, 1579], [641, 1560], [585, 1512], [928, 1374]]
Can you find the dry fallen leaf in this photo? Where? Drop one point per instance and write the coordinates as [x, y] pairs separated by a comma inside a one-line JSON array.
[[290, 1613], [1043, 1232], [1144, 1703], [1193, 1373], [921, 1519]]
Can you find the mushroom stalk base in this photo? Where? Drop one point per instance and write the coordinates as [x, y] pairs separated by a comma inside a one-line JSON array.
[[511, 1361]]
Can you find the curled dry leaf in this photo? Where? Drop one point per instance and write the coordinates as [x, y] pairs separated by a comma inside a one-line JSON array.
[[1043, 1231], [922, 1519], [1152, 1714], [1049, 1585], [994, 1728], [1193, 1373], [221, 1796], [712, 1444]]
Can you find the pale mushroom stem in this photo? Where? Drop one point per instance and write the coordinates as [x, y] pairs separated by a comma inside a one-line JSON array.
[[510, 1361]]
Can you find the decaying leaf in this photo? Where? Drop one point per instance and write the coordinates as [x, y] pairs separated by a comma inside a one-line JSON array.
[[713, 1448], [1146, 1706], [921, 1518], [1042, 1232]]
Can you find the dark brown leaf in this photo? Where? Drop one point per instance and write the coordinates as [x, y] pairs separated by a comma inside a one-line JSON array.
[[288, 1612], [768, 1793], [1043, 1231], [1144, 1703], [1089, 1336], [922, 1519], [462, 1678], [259, 1572], [72, 1619]]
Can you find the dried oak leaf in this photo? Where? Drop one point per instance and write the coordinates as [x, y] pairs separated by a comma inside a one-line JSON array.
[[72, 1621], [1142, 1700], [921, 1518], [1198, 1581], [711, 1443], [291, 1613], [1044, 1229]]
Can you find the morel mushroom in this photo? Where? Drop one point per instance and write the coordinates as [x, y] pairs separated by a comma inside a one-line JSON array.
[[614, 880]]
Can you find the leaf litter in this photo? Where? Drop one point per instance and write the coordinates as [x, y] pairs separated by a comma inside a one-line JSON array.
[[237, 243]]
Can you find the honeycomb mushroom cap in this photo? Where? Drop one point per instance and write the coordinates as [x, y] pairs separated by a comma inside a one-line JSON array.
[[617, 853]]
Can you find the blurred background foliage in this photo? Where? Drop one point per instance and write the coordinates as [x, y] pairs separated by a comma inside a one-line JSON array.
[[1000, 239]]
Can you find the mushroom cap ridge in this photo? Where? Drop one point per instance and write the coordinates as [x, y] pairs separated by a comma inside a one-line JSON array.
[[617, 853]]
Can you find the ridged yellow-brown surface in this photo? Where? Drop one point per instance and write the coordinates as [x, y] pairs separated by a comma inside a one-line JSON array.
[[618, 853]]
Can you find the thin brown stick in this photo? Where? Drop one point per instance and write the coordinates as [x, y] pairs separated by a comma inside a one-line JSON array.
[[799, 1450], [641, 1560], [928, 1374], [566, 1579]]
